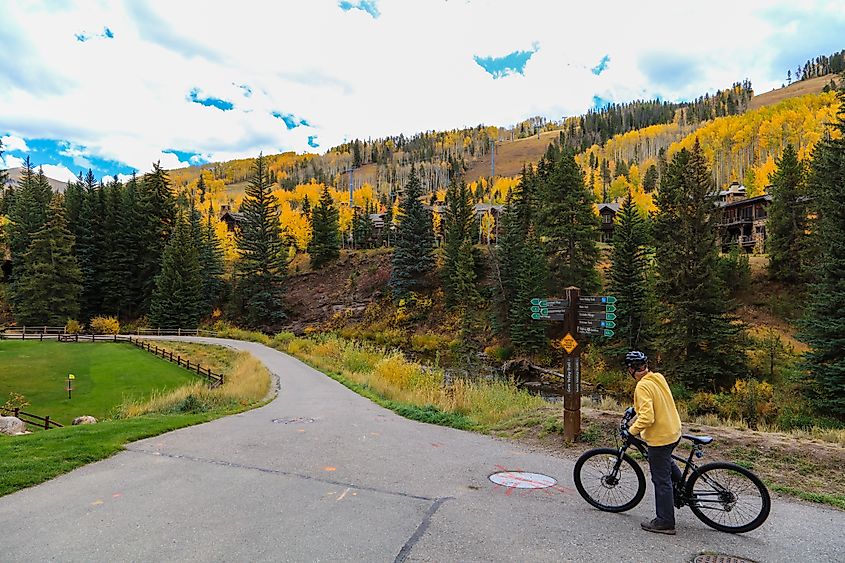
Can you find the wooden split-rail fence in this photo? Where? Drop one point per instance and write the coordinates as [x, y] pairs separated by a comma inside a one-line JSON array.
[[58, 334], [32, 419]]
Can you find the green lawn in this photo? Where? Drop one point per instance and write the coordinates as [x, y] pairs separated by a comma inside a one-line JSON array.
[[106, 373], [28, 460]]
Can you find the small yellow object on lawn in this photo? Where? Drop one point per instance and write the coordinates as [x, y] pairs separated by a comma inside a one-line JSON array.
[[71, 376]]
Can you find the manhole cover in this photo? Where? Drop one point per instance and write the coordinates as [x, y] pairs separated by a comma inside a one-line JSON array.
[[297, 420], [720, 558], [523, 480]]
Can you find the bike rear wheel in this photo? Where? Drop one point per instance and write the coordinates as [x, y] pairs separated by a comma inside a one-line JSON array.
[[608, 482], [728, 497]]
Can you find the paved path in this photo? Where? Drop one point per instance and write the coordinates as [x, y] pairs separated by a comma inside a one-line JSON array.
[[350, 481]]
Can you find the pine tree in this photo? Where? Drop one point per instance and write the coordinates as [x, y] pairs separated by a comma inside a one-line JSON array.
[[786, 227], [116, 270], [306, 207], [4, 191], [413, 257], [158, 209], [522, 266], [262, 267], [48, 290], [824, 326], [700, 341], [176, 301], [28, 212], [458, 258], [362, 227], [325, 231], [135, 226], [211, 265], [92, 247], [567, 223], [201, 187], [650, 179], [629, 277]]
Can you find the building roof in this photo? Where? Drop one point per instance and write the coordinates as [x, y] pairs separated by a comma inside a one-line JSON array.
[[236, 217], [739, 203], [611, 206]]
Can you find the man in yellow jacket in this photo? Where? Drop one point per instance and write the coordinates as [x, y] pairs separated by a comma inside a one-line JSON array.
[[659, 425]]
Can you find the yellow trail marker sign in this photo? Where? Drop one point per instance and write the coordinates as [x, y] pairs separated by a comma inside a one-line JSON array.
[[568, 343]]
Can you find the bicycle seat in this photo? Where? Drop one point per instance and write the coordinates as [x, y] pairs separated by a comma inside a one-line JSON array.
[[704, 440]]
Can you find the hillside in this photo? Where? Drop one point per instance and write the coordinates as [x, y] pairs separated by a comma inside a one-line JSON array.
[[57, 185]]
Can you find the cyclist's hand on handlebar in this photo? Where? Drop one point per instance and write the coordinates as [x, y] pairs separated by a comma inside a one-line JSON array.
[[625, 435]]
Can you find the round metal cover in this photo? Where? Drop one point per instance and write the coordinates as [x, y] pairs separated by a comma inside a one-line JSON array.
[[297, 420], [523, 480], [720, 558]]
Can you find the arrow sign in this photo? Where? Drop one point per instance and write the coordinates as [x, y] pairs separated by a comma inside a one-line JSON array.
[[539, 302], [608, 333], [596, 323], [592, 331], [597, 299], [596, 316], [538, 316]]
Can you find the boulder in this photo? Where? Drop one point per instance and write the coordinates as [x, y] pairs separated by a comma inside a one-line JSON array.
[[84, 420], [12, 426]]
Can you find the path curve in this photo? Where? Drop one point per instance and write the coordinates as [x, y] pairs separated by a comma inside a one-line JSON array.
[[323, 474]]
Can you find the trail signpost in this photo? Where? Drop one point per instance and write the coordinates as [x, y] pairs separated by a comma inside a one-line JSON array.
[[587, 315]]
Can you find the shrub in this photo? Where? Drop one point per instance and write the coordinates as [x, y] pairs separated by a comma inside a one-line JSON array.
[[752, 401], [72, 326], [105, 325], [499, 353], [15, 401], [702, 403]]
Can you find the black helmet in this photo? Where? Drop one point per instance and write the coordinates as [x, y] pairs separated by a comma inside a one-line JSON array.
[[635, 359]]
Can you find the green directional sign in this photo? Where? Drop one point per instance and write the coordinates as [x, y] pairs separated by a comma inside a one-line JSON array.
[[608, 333], [540, 316], [610, 308], [608, 324], [597, 299], [539, 302], [535, 308], [610, 299], [610, 316]]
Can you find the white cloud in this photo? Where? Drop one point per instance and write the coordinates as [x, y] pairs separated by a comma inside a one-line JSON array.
[[351, 75], [9, 161], [12, 143], [60, 173]]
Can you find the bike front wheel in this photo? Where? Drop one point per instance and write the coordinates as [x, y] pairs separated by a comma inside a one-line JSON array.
[[608, 481], [728, 497]]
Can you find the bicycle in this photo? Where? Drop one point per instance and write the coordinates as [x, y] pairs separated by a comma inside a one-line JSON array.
[[610, 480]]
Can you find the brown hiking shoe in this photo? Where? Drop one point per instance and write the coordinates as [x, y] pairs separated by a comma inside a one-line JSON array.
[[658, 527]]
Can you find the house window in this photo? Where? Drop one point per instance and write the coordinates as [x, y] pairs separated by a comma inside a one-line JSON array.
[[607, 218]]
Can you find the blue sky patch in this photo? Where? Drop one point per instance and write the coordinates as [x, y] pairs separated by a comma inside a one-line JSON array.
[[222, 105], [600, 103], [74, 157], [188, 157], [83, 37], [312, 141], [600, 68], [368, 6], [291, 121], [499, 67]]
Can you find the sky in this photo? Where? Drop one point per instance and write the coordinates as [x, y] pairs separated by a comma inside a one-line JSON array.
[[115, 86]]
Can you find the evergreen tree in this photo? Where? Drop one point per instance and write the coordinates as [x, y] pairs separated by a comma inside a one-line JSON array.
[[458, 259], [650, 179], [413, 257], [362, 227], [306, 207], [522, 266], [356, 154], [116, 268], [211, 265], [201, 187], [158, 209], [176, 301], [824, 326], [700, 341], [388, 224], [629, 277], [48, 290], [4, 191], [135, 227], [567, 223], [263, 257], [786, 227], [28, 212], [325, 231], [92, 247]]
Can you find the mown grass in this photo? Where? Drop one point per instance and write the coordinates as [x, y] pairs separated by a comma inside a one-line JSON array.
[[29, 460], [107, 374]]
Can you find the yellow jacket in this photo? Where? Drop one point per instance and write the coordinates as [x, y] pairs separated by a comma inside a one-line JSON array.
[[657, 416]]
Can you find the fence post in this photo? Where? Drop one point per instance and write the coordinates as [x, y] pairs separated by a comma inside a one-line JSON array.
[[188, 364], [17, 412], [179, 360], [179, 331], [47, 422]]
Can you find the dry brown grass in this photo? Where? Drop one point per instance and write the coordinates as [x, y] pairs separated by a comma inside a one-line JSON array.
[[247, 382], [802, 88]]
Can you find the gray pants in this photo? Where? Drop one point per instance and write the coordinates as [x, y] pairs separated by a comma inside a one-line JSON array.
[[663, 472]]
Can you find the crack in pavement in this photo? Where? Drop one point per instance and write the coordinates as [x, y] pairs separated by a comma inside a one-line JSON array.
[[281, 472], [420, 531]]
